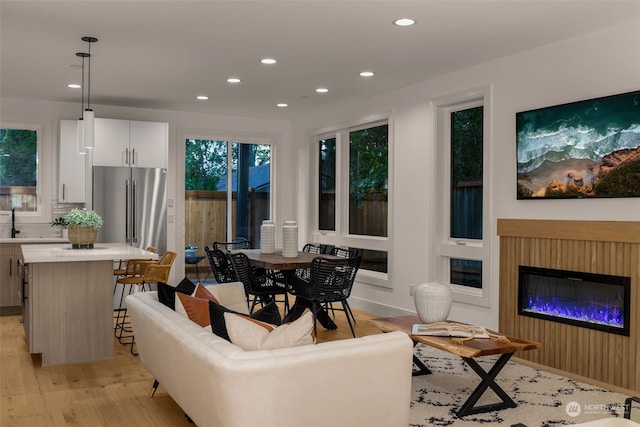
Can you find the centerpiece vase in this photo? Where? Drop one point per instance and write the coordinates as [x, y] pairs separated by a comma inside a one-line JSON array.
[[433, 302], [82, 237], [267, 237], [290, 239]]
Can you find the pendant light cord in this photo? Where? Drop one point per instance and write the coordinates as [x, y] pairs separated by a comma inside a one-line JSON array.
[[88, 80], [82, 93]]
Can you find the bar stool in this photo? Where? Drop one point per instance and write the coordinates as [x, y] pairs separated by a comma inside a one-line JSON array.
[[153, 273], [142, 273], [121, 271]]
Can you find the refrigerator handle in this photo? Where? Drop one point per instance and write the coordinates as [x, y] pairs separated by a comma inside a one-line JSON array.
[[134, 202], [126, 212]]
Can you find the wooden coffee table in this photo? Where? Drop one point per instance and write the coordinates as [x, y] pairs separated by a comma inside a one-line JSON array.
[[467, 351]]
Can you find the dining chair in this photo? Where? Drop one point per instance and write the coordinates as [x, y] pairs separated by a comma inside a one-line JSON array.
[[220, 265], [260, 289], [304, 273], [238, 243], [330, 282], [345, 252]]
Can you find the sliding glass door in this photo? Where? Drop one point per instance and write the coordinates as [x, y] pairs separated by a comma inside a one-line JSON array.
[[227, 191]]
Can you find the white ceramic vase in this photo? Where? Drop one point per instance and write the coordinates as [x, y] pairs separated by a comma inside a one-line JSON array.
[[290, 239], [267, 237], [433, 302]]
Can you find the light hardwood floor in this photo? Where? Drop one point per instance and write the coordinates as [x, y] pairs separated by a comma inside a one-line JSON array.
[[107, 393]]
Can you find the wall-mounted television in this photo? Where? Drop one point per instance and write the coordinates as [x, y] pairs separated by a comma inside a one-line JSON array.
[[582, 149]]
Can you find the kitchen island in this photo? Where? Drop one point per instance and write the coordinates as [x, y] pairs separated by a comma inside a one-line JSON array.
[[67, 300]]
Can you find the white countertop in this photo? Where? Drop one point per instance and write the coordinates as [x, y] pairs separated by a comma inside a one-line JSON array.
[[100, 252], [24, 240]]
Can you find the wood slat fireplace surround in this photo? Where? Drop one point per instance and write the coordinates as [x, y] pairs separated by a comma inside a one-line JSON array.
[[604, 247]]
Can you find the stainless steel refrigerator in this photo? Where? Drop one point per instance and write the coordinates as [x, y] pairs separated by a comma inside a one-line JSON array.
[[132, 202]]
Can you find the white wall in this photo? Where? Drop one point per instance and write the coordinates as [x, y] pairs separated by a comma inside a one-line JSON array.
[[180, 125], [593, 65]]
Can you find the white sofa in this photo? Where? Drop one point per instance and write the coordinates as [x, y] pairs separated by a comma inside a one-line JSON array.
[[354, 382]]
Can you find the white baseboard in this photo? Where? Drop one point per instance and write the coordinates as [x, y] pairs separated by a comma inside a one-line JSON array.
[[377, 308]]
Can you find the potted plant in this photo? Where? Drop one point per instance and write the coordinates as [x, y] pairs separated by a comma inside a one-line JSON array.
[[83, 227], [60, 224]]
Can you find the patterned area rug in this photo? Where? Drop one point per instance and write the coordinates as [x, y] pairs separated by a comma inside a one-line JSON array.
[[543, 399]]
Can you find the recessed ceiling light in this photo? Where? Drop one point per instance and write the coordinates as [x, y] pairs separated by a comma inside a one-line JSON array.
[[202, 97], [74, 86], [367, 73], [268, 61], [404, 22], [282, 105], [233, 80], [322, 90]]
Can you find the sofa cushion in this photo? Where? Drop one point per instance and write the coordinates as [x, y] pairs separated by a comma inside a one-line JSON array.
[[200, 292], [250, 334], [196, 309], [167, 293], [269, 314]]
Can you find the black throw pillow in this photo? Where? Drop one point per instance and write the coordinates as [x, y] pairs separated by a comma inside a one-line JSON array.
[[269, 314], [167, 293]]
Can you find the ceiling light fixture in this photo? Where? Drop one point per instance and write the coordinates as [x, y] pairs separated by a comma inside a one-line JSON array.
[[74, 86], [268, 61], [233, 80], [322, 90], [88, 116], [404, 22], [367, 74], [80, 125], [282, 105], [202, 97]]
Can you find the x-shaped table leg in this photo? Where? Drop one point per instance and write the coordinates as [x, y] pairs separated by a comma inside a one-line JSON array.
[[488, 380], [422, 368]]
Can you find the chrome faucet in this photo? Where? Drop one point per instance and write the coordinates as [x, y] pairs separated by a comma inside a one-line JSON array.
[[13, 223]]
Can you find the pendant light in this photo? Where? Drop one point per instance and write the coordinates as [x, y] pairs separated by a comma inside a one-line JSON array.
[[80, 129], [88, 116]]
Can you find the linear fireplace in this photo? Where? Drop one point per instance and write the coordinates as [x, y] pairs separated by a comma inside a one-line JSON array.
[[595, 301]]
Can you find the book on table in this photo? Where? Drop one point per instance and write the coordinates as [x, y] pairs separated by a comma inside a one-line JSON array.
[[449, 331]]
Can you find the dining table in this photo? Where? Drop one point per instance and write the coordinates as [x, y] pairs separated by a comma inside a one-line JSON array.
[[288, 266]]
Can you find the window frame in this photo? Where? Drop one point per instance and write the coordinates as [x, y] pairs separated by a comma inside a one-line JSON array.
[[340, 236], [46, 182], [447, 247]]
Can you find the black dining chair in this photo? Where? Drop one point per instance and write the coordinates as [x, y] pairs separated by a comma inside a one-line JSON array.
[[330, 282], [259, 289], [304, 273], [220, 265], [238, 243], [345, 252]]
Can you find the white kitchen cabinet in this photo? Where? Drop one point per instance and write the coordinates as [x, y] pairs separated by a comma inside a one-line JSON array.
[[148, 144], [130, 143], [111, 142], [72, 164]]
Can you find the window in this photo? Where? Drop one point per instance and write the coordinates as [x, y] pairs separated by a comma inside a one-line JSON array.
[[222, 206], [353, 212], [368, 174], [461, 162], [327, 181], [19, 169], [466, 173]]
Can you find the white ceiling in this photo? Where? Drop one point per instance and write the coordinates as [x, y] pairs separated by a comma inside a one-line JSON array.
[[161, 54]]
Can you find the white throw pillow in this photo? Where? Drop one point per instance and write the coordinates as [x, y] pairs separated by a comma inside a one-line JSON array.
[[251, 334]]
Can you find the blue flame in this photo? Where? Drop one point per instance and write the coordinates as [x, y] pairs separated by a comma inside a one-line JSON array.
[[608, 314]]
